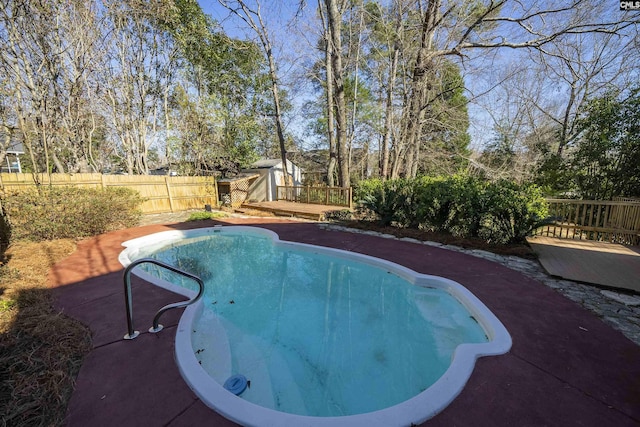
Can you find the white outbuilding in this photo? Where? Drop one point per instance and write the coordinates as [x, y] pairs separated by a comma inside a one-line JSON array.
[[272, 175], [11, 161]]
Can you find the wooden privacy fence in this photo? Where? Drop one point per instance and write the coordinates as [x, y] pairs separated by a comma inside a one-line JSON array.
[[161, 193], [615, 221], [331, 196]]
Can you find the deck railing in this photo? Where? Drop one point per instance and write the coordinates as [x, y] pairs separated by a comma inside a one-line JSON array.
[[613, 221], [332, 196]]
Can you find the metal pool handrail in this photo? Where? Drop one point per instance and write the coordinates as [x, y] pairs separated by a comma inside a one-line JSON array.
[[128, 300]]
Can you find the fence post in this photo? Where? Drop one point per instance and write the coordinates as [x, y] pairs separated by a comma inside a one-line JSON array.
[[216, 198], [166, 180]]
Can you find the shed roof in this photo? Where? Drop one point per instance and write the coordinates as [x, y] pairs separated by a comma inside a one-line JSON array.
[[15, 147], [240, 177]]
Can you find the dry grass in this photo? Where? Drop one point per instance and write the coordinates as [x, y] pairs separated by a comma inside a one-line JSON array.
[[40, 350]]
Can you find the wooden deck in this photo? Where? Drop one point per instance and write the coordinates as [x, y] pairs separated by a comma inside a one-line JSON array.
[[292, 209], [600, 263]]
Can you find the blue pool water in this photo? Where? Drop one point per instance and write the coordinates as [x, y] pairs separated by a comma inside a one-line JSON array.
[[315, 334]]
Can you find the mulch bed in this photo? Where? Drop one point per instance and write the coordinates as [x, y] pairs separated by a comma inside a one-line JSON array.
[[522, 250]]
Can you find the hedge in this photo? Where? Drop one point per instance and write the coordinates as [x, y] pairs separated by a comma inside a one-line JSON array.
[[498, 212]]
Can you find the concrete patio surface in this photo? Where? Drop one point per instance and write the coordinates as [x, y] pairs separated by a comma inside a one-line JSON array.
[[566, 367]]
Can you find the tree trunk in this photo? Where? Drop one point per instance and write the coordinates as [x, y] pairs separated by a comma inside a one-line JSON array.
[[331, 166], [335, 22], [278, 117], [354, 106], [564, 135], [388, 115], [418, 89]]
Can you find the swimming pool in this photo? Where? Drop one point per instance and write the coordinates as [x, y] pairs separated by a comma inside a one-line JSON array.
[[325, 337]]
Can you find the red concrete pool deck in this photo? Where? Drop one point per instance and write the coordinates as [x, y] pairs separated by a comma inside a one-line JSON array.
[[566, 367]]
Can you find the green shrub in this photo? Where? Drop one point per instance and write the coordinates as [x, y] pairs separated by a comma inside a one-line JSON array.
[[365, 188], [70, 212], [467, 206], [433, 203], [501, 212], [389, 201], [204, 215], [513, 212], [365, 196]]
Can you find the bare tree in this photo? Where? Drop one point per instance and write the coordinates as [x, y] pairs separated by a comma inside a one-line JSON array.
[[581, 67], [28, 58], [539, 104], [8, 120], [454, 29], [138, 67], [253, 18], [88, 85], [82, 46]]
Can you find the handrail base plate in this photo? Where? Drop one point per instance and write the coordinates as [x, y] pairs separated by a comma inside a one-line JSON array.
[[156, 330], [132, 336]]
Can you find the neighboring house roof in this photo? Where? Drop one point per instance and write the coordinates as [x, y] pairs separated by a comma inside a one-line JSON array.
[[316, 160], [266, 163], [269, 163]]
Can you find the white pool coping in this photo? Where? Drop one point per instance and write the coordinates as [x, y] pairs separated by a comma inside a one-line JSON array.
[[413, 411]]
